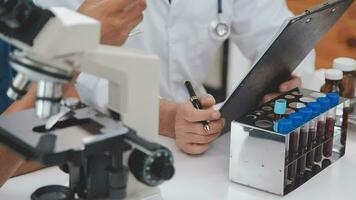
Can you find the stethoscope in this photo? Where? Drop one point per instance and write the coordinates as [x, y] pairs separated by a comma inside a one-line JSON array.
[[219, 28]]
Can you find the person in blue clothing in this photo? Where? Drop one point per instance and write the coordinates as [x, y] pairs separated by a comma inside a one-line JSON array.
[[5, 75]]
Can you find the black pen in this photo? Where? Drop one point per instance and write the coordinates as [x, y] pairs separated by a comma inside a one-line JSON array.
[[196, 103]]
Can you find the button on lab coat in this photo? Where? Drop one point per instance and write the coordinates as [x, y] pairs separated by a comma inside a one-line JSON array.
[[179, 33]]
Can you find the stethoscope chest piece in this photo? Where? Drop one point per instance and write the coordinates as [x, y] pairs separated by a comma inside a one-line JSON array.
[[219, 28]]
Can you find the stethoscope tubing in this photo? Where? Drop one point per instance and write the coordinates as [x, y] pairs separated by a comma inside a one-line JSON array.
[[220, 9]]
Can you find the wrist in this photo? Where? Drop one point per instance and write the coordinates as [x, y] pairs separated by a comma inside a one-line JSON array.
[[167, 117]]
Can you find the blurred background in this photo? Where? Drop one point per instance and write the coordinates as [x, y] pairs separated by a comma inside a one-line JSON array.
[[339, 42]]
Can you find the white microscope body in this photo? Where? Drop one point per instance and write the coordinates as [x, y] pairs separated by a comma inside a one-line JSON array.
[[70, 42]]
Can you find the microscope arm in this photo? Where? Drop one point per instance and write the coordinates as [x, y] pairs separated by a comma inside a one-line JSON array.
[[133, 85]]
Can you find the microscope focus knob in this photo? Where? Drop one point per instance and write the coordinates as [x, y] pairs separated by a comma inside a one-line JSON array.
[[161, 169], [152, 169]]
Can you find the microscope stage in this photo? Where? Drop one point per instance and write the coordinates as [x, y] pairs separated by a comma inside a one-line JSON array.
[[26, 134]]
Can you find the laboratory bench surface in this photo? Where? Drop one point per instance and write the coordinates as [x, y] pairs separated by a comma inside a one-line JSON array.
[[206, 177]]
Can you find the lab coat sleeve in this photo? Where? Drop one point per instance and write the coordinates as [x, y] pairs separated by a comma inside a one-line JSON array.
[[254, 24]]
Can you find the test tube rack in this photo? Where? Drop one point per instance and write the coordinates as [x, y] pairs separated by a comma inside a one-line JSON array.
[[259, 155]]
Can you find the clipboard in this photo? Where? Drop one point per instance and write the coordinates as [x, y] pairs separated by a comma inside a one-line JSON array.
[[295, 40]]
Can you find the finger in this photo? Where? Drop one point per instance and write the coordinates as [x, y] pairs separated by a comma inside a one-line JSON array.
[[198, 128], [291, 84], [207, 101], [138, 6], [195, 149], [129, 19], [118, 5], [269, 97], [135, 10], [120, 35], [132, 13], [133, 23], [200, 139], [191, 114], [123, 34]]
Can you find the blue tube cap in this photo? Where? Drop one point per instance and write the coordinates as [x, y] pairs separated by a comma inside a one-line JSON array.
[[316, 107], [307, 113], [284, 126], [297, 119], [334, 98], [325, 103], [280, 106]]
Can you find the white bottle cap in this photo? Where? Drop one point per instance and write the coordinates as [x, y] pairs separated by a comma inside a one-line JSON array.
[[333, 74], [345, 64]]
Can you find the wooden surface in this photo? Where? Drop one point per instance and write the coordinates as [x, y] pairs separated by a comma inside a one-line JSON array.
[[27, 168], [340, 41]]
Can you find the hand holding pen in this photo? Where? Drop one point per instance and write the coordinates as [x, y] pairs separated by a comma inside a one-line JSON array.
[[196, 103], [190, 133]]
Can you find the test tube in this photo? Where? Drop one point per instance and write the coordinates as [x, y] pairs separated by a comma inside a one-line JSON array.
[[344, 125], [320, 132], [312, 111], [297, 144], [330, 124], [305, 140], [294, 139], [280, 106], [285, 126]]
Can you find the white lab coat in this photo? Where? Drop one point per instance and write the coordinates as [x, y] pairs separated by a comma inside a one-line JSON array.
[[179, 34]]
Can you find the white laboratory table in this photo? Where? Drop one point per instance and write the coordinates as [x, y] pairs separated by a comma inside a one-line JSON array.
[[206, 177]]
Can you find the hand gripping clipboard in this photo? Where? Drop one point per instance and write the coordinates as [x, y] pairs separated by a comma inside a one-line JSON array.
[[295, 40]]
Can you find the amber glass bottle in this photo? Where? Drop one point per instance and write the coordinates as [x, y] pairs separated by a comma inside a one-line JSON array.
[[333, 82], [348, 67]]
